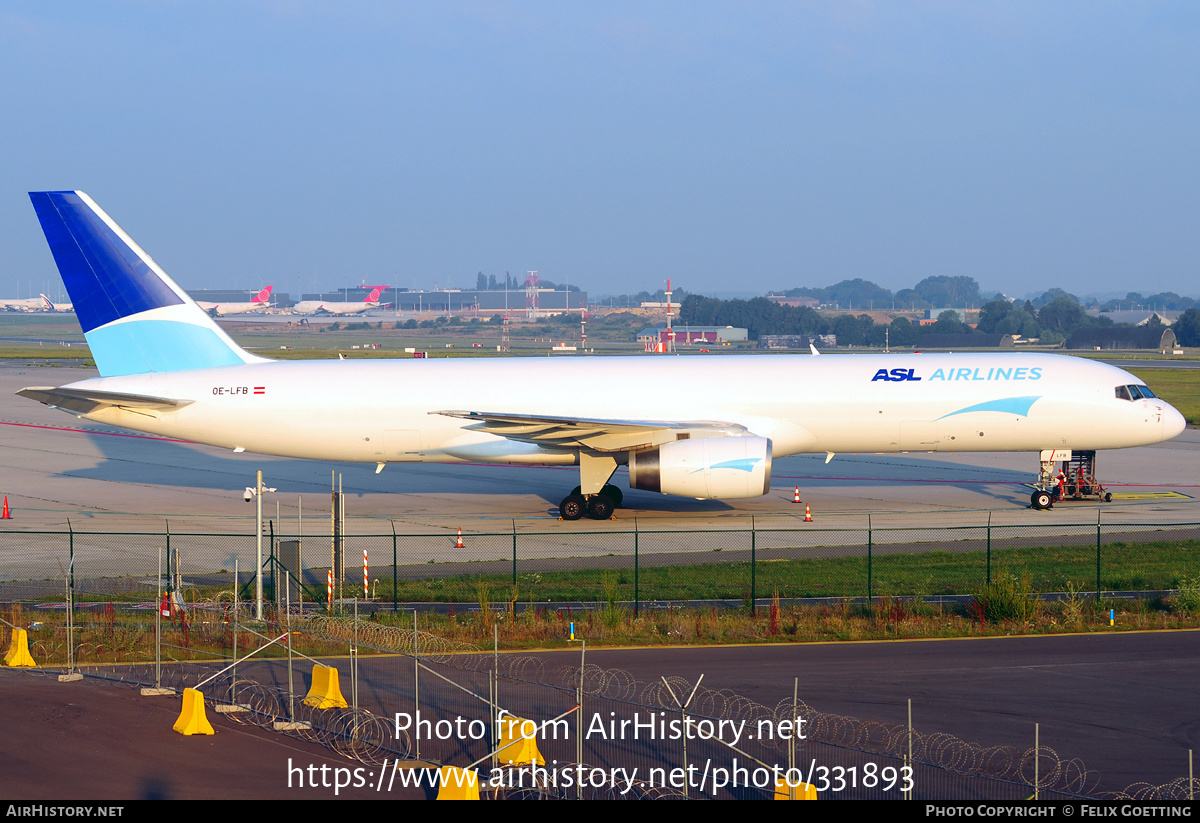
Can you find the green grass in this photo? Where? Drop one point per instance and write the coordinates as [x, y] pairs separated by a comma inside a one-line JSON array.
[[1138, 567]]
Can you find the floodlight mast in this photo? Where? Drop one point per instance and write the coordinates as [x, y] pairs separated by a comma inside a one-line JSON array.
[[257, 491]]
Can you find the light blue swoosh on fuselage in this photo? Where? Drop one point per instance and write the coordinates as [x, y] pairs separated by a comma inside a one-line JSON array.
[[1012, 405]]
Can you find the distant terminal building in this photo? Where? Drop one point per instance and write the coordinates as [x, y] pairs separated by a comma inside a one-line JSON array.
[[691, 335], [278, 298], [797, 341], [460, 301], [1158, 338]]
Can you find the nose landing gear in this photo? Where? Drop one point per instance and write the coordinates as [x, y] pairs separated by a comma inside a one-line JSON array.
[[1075, 480], [1041, 499]]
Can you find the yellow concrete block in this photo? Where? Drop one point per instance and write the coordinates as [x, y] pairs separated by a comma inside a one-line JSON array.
[[192, 719], [325, 693], [805, 791], [18, 650], [518, 742], [457, 784]]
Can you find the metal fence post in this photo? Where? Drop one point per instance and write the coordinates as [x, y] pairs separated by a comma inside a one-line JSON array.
[[394, 581], [417, 682], [989, 549], [70, 604], [870, 564], [753, 569], [170, 573], [158, 610], [1097, 555], [636, 568], [274, 566], [514, 536], [71, 555]]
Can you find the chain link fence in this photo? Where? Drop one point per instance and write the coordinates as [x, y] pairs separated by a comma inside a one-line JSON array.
[[637, 568]]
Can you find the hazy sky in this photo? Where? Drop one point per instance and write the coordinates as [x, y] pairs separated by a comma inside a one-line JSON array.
[[739, 146]]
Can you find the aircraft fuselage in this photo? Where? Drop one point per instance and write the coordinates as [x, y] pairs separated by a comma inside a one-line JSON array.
[[385, 411]]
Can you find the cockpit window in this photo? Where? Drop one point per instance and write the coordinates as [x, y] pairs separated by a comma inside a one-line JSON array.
[[1134, 392]]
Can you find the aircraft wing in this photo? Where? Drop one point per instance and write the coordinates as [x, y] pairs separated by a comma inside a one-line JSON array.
[[81, 401], [598, 435]]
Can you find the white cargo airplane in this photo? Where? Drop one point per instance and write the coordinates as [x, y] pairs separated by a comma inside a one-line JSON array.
[[24, 304], [330, 307], [50, 305], [261, 301], [698, 427]]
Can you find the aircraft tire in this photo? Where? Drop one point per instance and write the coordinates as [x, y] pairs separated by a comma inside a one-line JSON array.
[[600, 507], [1041, 500], [572, 507], [614, 494], [610, 491]]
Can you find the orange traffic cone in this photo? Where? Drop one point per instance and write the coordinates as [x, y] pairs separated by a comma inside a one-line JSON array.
[[5, 514], [796, 496], [458, 544], [807, 513]]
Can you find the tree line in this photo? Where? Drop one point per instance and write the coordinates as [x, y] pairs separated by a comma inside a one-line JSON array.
[[1050, 323]]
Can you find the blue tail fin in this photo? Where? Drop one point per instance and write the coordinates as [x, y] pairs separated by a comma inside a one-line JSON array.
[[135, 318]]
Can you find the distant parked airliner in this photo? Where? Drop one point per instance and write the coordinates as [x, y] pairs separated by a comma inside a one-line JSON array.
[[261, 301]]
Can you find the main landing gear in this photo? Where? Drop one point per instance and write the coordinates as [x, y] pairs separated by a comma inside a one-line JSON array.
[[599, 506], [594, 496]]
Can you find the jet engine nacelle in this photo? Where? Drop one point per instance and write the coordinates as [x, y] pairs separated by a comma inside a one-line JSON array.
[[706, 467]]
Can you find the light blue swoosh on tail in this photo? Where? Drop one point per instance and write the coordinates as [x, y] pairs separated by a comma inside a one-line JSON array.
[[140, 346]]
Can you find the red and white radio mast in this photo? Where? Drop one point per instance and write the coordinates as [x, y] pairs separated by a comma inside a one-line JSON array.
[[670, 331]]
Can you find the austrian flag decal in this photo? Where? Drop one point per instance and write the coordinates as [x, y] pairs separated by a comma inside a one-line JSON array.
[[260, 389]]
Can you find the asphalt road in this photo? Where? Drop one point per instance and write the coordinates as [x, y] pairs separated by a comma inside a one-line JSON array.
[[1121, 704]]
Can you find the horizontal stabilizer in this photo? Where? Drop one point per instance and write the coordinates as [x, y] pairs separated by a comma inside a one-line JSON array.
[[80, 401], [595, 434]]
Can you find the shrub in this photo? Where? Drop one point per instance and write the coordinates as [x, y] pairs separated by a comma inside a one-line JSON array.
[[1009, 597], [1187, 597]]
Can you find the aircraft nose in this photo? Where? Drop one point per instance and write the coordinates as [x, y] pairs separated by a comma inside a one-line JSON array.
[[1173, 422]]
